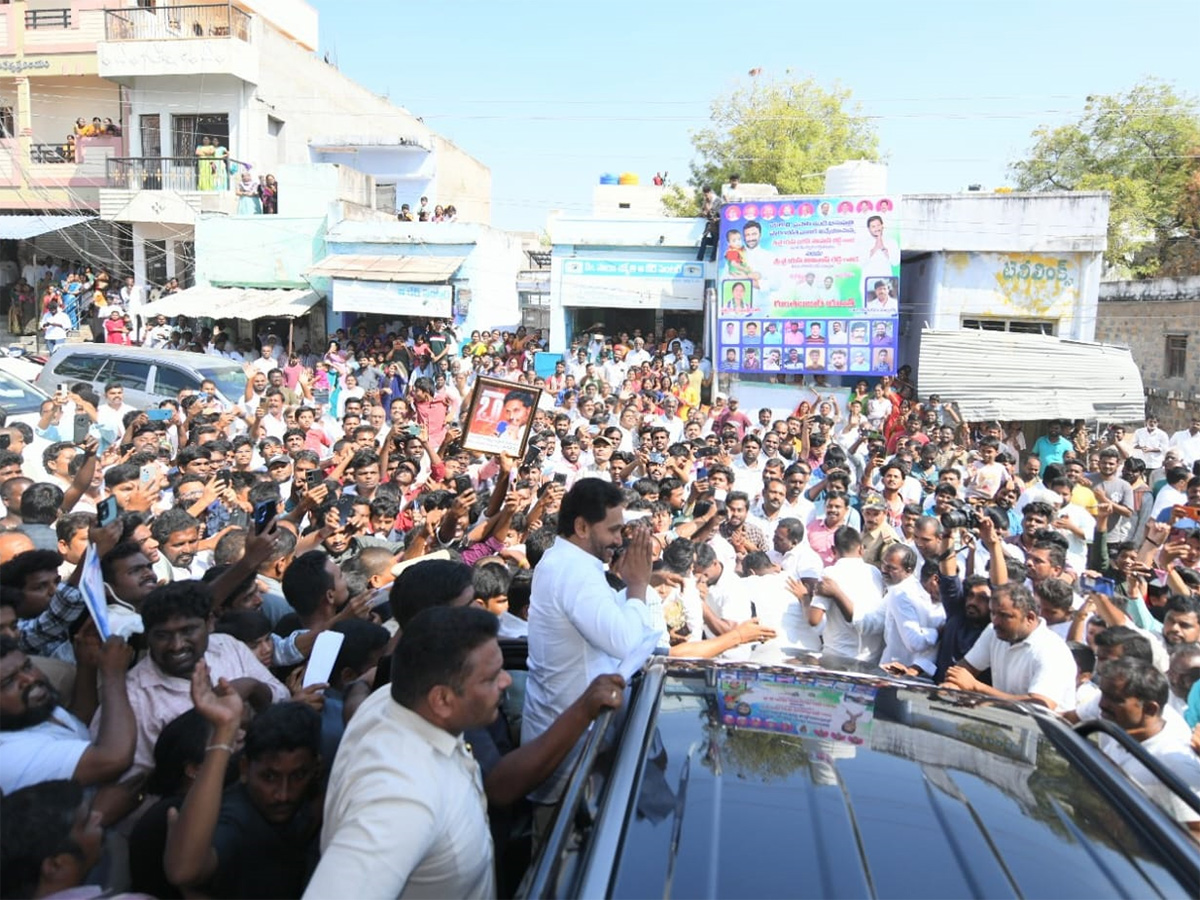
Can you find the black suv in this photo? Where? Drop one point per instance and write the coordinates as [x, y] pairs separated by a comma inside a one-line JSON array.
[[730, 780]]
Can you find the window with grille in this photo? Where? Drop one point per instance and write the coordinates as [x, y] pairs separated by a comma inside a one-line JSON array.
[[1014, 326], [1176, 363]]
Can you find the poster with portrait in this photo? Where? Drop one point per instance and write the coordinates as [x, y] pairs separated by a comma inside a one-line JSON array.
[[818, 276], [499, 417]]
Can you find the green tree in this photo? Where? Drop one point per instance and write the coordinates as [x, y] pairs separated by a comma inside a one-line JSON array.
[[785, 133], [1141, 146]]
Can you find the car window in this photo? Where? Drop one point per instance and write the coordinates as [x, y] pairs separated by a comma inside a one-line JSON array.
[[170, 381], [230, 381], [128, 373], [79, 367], [17, 396]]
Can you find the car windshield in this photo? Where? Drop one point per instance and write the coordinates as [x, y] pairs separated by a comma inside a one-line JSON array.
[[17, 396], [231, 382], [806, 783]]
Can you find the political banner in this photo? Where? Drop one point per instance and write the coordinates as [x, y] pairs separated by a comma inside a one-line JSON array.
[[809, 285]]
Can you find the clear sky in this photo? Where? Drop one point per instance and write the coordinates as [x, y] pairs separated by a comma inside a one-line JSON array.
[[552, 94]]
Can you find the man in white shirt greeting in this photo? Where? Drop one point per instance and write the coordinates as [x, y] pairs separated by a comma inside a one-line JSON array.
[[579, 627]]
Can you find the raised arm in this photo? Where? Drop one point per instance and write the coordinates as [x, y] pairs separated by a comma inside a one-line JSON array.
[[190, 858], [112, 751]]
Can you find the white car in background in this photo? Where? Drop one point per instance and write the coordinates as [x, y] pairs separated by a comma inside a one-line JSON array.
[[20, 400], [14, 361]]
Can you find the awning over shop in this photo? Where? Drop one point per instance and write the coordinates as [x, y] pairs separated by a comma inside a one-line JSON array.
[[20, 228], [234, 303], [410, 269], [1028, 377]]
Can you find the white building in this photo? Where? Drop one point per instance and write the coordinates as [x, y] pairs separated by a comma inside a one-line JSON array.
[[245, 77]]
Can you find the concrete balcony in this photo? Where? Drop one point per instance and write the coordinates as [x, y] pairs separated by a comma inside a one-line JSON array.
[[166, 189], [214, 39], [55, 176]]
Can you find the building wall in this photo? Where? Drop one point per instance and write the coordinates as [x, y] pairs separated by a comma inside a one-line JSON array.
[[294, 18], [258, 251], [48, 77], [152, 231], [989, 256], [87, 27], [1063, 222], [489, 272], [412, 169], [614, 239], [58, 101], [1140, 315], [169, 96], [462, 181], [633, 201]]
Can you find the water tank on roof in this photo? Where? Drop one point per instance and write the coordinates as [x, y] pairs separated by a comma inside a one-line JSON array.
[[856, 178], [609, 178], [628, 178]]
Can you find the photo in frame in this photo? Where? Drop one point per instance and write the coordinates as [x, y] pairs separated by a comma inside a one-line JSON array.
[[499, 416]]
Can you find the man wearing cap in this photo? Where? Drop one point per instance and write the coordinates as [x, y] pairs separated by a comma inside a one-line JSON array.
[[731, 415], [877, 535], [601, 455], [279, 467]]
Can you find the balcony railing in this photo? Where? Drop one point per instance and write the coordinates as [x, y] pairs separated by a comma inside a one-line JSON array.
[[51, 153], [48, 18], [171, 23], [171, 173]]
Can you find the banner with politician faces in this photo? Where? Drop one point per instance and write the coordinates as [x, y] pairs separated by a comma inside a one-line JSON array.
[[809, 285]]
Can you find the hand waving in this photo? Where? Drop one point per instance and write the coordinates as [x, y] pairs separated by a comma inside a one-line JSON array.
[[221, 706]]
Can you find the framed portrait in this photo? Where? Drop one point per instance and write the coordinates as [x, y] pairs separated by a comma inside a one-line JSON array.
[[499, 417]]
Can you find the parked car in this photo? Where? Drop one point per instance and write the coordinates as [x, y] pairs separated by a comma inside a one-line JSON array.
[[20, 400], [148, 376], [733, 780], [16, 361]]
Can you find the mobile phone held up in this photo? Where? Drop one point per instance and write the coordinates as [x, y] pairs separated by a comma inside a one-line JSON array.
[[264, 513], [345, 508], [1094, 584], [106, 511], [83, 424]]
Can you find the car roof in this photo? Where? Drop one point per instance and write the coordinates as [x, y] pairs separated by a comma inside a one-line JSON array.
[[804, 782], [178, 357]]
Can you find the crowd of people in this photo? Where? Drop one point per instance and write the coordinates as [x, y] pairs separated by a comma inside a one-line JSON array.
[[292, 678], [54, 299]]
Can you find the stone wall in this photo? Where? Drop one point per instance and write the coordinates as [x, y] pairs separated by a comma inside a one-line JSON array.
[[1141, 315]]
